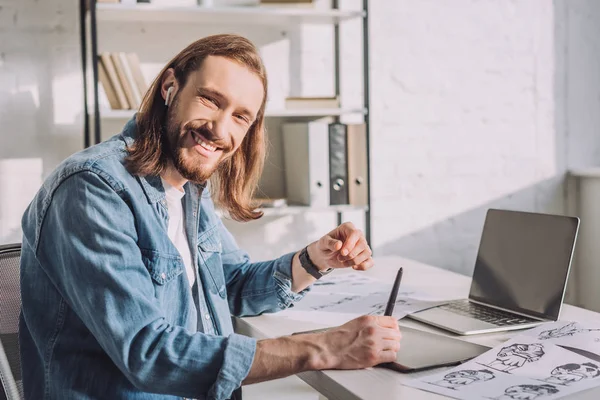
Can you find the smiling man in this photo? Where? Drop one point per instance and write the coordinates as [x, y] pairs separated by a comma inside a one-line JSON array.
[[129, 278]]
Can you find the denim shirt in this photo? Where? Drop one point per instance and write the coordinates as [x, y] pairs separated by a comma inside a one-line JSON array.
[[108, 312]]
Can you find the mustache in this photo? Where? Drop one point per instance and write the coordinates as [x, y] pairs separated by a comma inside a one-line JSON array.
[[209, 135]]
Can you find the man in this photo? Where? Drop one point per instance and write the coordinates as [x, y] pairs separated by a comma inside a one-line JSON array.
[[129, 278]]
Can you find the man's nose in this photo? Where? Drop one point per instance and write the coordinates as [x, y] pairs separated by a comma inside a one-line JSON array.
[[218, 125]]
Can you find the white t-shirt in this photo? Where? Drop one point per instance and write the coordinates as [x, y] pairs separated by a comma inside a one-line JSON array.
[[176, 230]]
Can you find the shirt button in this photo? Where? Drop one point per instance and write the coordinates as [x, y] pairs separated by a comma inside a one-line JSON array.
[[163, 275], [207, 316]]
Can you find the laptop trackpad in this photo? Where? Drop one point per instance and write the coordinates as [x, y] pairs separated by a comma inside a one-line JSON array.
[[421, 350], [451, 321]]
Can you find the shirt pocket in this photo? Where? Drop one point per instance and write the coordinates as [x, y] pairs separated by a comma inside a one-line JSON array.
[[163, 268], [209, 249]]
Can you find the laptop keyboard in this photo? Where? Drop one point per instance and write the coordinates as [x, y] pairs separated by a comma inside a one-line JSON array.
[[487, 314]]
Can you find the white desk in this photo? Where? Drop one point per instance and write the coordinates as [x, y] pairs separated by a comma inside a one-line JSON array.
[[380, 383]]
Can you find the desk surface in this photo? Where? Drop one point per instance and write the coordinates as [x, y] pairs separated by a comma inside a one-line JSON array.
[[380, 383]]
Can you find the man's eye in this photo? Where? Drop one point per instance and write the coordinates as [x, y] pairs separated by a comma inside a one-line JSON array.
[[242, 118], [210, 99]]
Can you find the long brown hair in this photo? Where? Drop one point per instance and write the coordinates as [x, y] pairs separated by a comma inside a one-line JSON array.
[[236, 179]]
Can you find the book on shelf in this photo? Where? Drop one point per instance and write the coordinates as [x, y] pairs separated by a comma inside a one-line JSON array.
[[121, 78], [303, 103], [108, 1], [106, 84], [115, 84]]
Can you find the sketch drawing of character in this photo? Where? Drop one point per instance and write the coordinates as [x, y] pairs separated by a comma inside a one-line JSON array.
[[458, 379], [515, 356], [527, 392], [567, 330], [569, 373]]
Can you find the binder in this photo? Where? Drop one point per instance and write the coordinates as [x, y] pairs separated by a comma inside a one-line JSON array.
[[358, 185], [306, 154], [338, 164]]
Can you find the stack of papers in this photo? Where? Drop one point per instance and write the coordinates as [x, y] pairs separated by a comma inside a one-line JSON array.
[[547, 362]]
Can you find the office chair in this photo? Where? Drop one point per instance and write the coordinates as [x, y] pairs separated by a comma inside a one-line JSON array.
[[10, 307]]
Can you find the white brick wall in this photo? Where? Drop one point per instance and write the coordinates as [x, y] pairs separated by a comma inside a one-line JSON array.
[[468, 114], [474, 104]]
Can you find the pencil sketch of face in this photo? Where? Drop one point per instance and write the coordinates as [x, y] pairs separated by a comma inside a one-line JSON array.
[[456, 380], [528, 392], [516, 355], [573, 372]]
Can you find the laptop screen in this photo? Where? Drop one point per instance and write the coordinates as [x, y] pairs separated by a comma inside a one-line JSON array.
[[523, 261]]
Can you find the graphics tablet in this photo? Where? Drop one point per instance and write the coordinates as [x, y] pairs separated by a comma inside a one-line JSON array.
[[420, 350]]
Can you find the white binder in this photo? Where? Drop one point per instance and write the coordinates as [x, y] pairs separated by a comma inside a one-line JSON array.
[[306, 161]]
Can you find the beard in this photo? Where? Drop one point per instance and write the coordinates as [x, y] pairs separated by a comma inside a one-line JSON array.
[[190, 165]]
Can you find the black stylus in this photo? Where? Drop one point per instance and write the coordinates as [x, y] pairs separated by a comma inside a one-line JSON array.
[[389, 309]]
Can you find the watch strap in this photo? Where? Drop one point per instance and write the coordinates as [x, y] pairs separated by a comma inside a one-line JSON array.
[[310, 267]]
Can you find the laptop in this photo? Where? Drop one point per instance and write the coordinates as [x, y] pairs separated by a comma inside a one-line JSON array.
[[520, 275]]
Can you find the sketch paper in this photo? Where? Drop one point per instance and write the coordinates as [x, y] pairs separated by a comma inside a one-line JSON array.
[[529, 366], [527, 356], [352, 283], [376, 303], [481, 384], [570, 335], [358, 294]]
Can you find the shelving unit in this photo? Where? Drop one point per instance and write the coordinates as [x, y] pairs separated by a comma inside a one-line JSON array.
[[272, 16]]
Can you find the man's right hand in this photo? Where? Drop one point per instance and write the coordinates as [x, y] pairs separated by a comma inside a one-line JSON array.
[[363, 342]]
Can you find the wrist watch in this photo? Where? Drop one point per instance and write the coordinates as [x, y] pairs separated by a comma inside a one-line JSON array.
[[310, 267]]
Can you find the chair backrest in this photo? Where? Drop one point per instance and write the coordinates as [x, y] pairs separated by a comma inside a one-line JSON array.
[[10, 308]]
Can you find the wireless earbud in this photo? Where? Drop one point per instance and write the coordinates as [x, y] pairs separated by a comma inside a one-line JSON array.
[[168, 97]]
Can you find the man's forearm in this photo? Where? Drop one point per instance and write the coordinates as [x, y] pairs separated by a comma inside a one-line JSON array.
[[281, 357], [363, 342]]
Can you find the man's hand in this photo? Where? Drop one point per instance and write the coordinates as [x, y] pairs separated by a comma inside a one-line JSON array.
[[363, 342], [345, 246]]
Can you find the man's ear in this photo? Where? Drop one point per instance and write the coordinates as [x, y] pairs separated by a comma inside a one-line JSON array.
[[169, 86]]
